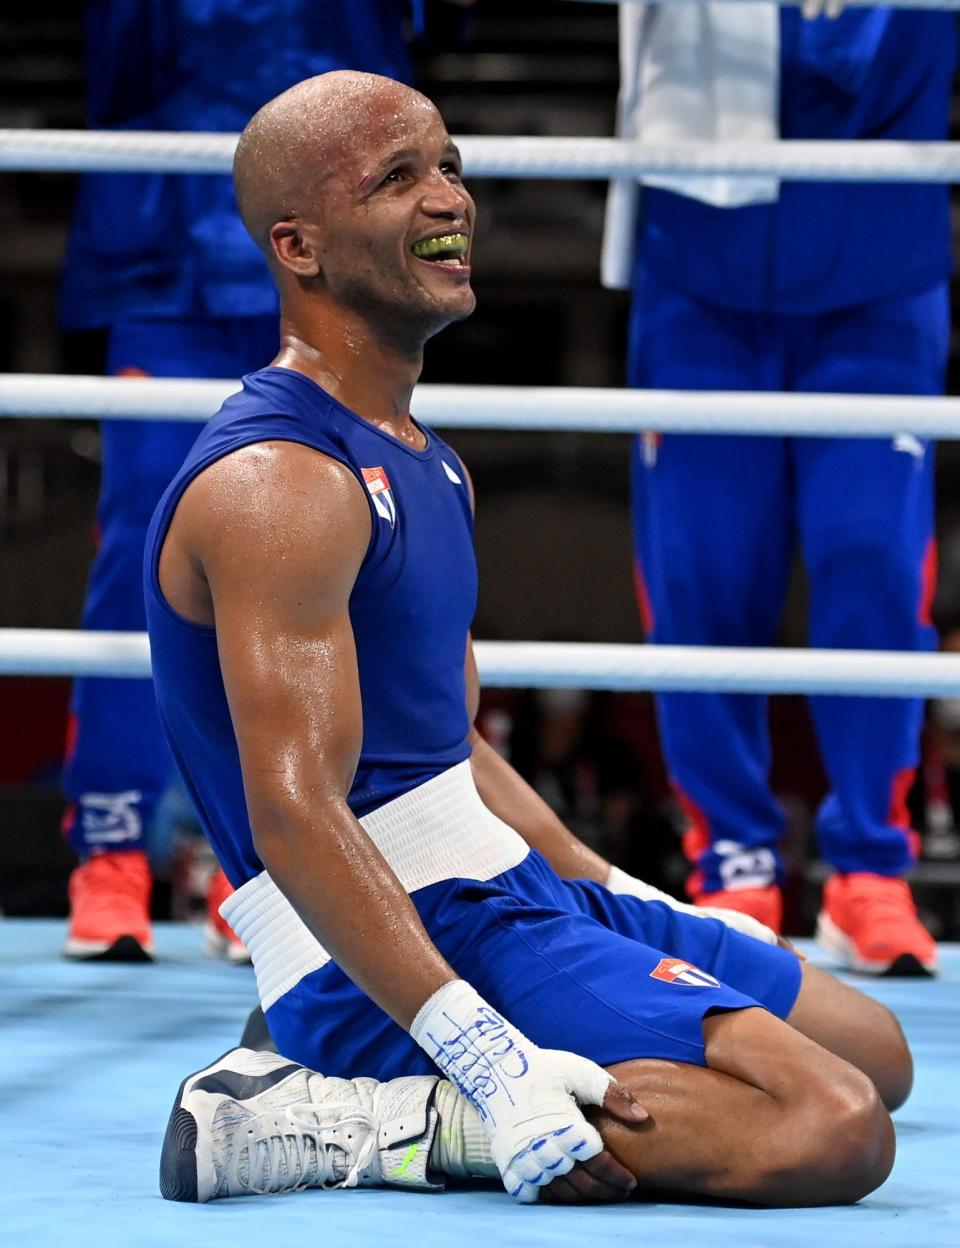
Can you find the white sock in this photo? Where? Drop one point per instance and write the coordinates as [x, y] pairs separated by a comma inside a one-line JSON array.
[[461, 1146]]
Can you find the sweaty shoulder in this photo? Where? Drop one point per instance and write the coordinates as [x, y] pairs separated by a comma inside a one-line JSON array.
[[275, 517]]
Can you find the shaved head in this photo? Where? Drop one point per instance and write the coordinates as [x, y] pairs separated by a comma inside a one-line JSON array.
[[351, 186], [293, 144]]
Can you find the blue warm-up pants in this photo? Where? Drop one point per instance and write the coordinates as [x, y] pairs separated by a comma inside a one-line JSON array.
[[717, 520]]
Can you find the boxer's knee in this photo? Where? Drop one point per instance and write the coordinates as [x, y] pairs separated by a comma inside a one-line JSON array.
[[836, 1145]]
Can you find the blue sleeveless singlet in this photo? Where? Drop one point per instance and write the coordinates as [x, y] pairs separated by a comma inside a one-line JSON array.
[[410, 608]]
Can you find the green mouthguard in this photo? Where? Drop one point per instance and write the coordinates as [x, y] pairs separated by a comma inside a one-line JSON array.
[[446, 244]]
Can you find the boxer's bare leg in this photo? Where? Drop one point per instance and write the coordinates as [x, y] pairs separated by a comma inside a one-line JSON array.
[[856, 1028], [774, 1119]]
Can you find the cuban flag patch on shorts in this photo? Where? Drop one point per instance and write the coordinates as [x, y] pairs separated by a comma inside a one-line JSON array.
[[378, 486], [676, 971]]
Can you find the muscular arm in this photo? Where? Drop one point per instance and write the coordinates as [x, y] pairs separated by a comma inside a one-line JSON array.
[[504, 791], [507, 794], [279, 533]]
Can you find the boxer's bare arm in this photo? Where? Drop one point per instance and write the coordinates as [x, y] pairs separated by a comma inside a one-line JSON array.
[[507, 794], [267, 543]]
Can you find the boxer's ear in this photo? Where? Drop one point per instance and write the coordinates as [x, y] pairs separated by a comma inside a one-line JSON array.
[[294, 248]]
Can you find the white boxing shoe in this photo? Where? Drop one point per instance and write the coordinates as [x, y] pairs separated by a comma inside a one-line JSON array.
[[254, 1123]]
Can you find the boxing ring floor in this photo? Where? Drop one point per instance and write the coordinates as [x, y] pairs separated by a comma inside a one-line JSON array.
[[91, 1056]]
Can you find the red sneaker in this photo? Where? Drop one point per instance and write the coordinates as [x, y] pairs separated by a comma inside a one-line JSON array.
[[764, 904], [222, 941], [870, 922], [110, 909]]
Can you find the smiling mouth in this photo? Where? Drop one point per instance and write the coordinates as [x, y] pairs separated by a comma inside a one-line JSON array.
[[448, 249]]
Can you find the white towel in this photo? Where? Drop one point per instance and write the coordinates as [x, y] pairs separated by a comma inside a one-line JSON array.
[[692, 72]]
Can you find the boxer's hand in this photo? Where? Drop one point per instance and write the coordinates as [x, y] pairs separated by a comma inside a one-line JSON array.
[[528, 1098], [550, 1138], [601, 1178]]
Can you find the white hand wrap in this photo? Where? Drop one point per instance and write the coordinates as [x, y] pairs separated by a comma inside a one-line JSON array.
[[526, 1096], [619, 882]]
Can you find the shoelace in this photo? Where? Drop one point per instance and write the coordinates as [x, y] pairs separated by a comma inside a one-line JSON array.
[[887, 903], [290, 1150]]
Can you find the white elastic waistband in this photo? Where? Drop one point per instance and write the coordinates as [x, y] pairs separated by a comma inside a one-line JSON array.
[[438, 831]]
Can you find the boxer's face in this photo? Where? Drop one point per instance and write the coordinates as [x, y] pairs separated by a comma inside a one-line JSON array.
[[394, 227]]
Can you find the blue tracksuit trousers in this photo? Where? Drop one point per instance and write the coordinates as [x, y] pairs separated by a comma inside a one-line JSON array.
[[717, 521]]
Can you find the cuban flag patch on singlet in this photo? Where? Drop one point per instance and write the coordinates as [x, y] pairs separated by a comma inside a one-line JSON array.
[[378, 486], [676, 971]]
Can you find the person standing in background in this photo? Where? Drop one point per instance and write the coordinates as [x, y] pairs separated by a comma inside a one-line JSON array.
[[747, 284], [164, 264]]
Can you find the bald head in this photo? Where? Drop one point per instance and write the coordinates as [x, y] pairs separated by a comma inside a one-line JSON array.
[[294, 143]]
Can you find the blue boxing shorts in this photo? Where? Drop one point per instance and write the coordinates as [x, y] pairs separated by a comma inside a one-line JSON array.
[[574, 966]]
